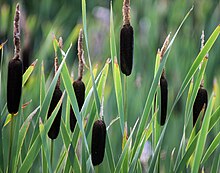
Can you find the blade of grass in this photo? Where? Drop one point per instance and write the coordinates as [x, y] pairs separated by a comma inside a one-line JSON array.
[[45, 147], [125, 150], [215, 143], [23, 132], [109, 154], [145, 136], [35, 147], [215, 163], [100, 89], [28, 72], [97, 101], [42, 85], [116, 72]]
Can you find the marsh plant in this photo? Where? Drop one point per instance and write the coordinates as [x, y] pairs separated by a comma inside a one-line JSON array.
[[129, 109]]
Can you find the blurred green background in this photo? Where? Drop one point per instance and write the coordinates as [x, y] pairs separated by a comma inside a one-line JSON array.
[[152, 20]]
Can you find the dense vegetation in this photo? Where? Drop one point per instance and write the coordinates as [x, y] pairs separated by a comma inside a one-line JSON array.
[[130, 106]]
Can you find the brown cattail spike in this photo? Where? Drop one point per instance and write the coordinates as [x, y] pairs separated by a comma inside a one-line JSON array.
[[164, 98], [201, 100], [55, 127], [80, 55], [14, 83], [126, 41], [98, 142], [126, 49], [79, 89]]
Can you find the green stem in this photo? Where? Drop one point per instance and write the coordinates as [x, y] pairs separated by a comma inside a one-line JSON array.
[[96, 169], [125, 98], [10, 145], [51, 152]]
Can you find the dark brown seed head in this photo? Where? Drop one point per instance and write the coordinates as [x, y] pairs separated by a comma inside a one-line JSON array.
[[98, 142], [79, 89], [201, 99], [14, 84], [126, 49], [164, 93], [55, 128]]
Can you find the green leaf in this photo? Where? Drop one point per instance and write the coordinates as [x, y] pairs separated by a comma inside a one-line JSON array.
[[125, 150], [28, 72], [116, 73], [100, 90], [42, 85], [45, 147], [109, 154], [215, 143], [97, 101], [22, 133]]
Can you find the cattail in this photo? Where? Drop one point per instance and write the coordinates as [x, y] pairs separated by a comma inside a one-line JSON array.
[[98, 142], [202, 95], [78, 85], [55, 128], [126, 41], [14, 83], [201, 100], [164, 93], [163, 84]]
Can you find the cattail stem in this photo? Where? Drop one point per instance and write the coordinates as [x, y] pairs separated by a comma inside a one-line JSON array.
[[125, 98], [10, 144], [96, 169], [80, 55], [126, 12], [17, 31], [51, 152]]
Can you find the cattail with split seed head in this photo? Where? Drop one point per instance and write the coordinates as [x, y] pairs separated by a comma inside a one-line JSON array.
[[78, 85], [98, 142], [201, 100], [55, 127], [164, 93], [14, 83], [126, 41]]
